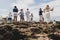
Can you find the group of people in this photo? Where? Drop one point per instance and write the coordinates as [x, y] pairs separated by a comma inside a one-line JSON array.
[[46, 11], [29, 16], [21, 14]]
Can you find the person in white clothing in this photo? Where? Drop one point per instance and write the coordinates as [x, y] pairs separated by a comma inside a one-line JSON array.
[[9, 19], [47, 10], [28, 15]]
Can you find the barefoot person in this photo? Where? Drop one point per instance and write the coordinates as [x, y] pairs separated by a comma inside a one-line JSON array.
[[41, 15], [15, 11], [47, 12], [21, 15], [28, 15]]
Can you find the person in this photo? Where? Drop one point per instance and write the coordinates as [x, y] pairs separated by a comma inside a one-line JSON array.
[[1, 20], [9, 19], [54, 22], [21, 15], [31, 17], [27, 15], [41, 15], [15, 11], [47, 10]]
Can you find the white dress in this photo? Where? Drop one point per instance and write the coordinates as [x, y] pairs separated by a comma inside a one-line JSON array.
[[47, 17]]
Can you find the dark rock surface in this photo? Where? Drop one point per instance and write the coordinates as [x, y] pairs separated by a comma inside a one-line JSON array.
[[29, 31]]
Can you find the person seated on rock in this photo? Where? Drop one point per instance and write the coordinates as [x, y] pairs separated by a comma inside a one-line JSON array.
[[9, 19], [54, 22]]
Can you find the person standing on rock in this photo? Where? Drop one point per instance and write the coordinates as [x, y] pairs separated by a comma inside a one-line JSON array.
[[31, 17], [47, 10], [28, 15], [15, 11], [41, 15], [21, 15]]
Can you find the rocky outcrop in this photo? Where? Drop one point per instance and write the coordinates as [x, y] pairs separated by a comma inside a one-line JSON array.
[[31, 31]]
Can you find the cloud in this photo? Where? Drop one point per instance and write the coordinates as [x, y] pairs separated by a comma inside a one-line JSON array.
[[22, 4]]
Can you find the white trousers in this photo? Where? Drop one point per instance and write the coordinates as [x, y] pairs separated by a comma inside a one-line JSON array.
[[28, 18]]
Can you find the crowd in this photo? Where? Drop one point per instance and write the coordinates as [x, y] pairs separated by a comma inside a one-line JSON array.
[[29, 15]]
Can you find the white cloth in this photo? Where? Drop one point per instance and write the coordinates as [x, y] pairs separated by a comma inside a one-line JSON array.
[[47, 17], [15, 13], [28, 15], [54, 22], [41, 17]]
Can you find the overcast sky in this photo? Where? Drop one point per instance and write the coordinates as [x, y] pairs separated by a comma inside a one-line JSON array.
[[6, 6]]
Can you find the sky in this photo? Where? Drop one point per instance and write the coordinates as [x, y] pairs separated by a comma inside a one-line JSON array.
[[6, 6]]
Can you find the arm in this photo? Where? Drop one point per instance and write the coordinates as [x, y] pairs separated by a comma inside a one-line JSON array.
[[52, 9], [19, 13]]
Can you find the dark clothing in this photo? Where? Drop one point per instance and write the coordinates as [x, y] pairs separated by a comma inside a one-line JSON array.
[[40, 12], [15, 10], [22, 17], [9, 18]]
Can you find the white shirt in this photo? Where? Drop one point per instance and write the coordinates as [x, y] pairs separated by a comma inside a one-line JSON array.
[[27, 12]]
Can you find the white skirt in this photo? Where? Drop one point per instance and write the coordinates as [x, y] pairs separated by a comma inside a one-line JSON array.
[[15, 13]]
